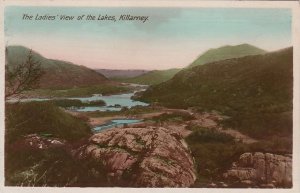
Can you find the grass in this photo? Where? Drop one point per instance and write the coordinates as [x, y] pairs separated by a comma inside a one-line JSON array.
[[42, 118], [57, 73], [255, 91], [52, 167], [226, 52], [174, 117], [152, 77]]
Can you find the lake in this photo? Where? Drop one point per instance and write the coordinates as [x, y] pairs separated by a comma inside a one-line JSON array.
[[113, 102]]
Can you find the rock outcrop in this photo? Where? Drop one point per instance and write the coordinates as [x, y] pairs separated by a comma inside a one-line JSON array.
[[140, 157], [264, 170]]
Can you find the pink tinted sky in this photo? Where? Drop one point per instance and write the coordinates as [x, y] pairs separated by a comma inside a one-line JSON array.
[[172, 38]]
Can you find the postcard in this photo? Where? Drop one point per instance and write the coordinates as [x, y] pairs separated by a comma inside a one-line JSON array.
[[107, 96]]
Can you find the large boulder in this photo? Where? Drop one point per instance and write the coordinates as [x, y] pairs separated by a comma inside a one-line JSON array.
[[262, 169], [140, 157]]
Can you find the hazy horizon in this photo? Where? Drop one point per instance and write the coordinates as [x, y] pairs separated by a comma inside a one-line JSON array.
[[172, 38]]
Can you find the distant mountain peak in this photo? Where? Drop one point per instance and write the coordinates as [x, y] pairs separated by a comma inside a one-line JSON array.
[[227, 52]]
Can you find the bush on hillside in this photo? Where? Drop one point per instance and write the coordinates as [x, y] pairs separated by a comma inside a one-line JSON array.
[[175, 116], [42, 118]]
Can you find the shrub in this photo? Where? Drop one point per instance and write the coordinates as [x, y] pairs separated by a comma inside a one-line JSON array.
[[75, 103], [214, 152], [94, 103], [66, 102], [204, 135], [176, 116], [51, 167], [42, 118]]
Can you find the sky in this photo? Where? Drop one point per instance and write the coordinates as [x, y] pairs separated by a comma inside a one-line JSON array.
[[170, 38]]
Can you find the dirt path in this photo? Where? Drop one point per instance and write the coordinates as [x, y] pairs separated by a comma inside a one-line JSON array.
[[102, 120], [94, 121]]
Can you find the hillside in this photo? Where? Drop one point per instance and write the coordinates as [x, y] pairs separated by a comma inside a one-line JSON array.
[[58, 74], [110, 73], [226, 52], [256, 91], [152, 77]]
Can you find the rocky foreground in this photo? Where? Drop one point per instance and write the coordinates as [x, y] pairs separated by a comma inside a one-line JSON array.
[[141, 157], [263, 170], [159, 157], [132, 157]]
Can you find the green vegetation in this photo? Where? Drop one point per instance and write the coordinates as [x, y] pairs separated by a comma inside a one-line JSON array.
[[204, 135], [226, 52], [261, 125], [80, 91], [42, 118], [66, 102], [75, 103], [61, 73], [101, 113], [51, 167], [54, 166], [174, 117], [94, 103], [152, 77], [115, 74], [136, 110], [255, 91], [214, 152]]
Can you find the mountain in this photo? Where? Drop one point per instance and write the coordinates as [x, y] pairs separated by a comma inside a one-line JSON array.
[[109, 73], [152, 77], [256, 91], [226, 52], [58, 74]]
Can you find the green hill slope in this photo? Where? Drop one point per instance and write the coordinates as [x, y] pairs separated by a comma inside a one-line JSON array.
[[58, 74], [115, 74], [226, 52], [152, 77], [256, 91], [43, 118]]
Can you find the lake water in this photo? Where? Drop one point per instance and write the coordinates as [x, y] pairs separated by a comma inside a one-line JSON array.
[[115, 123], [113, 102]]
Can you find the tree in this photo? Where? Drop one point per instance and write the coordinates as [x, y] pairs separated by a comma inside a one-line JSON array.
[[22, 77]]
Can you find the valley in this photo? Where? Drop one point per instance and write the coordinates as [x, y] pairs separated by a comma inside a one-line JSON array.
[[142, 129]]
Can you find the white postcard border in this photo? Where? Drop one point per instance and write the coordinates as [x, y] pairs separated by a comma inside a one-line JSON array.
[[235, 4]]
